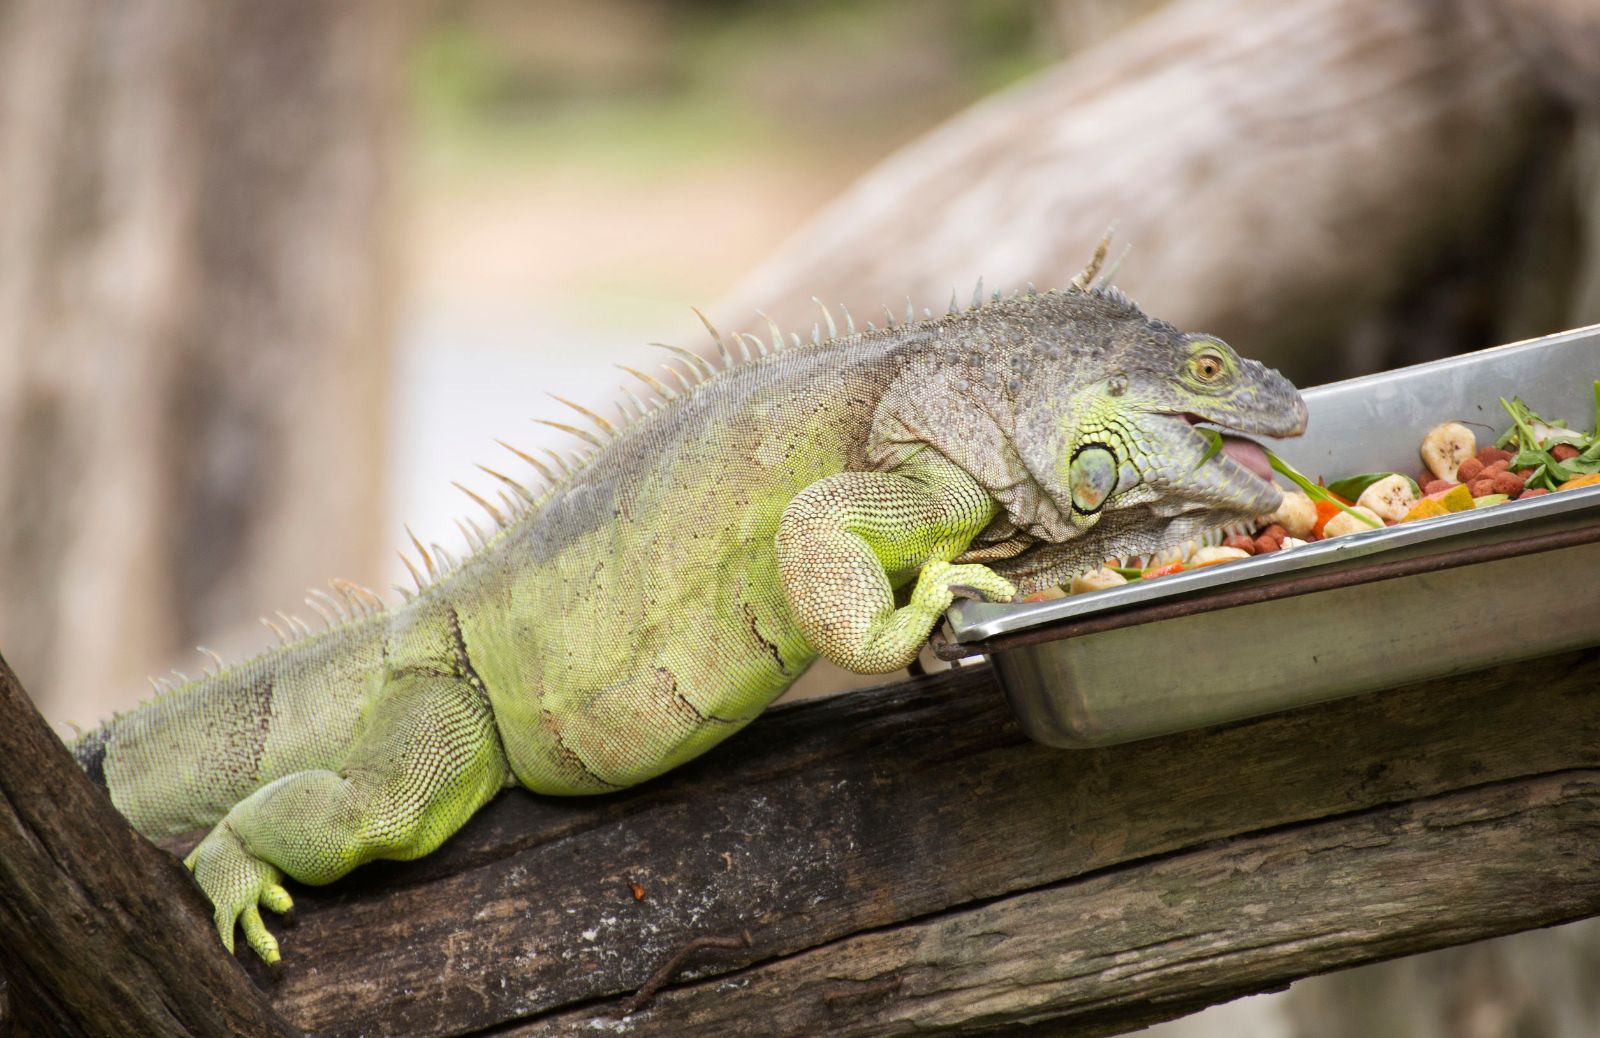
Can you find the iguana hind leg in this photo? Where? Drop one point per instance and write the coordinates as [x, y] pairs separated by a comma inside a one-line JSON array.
[[428, 758]]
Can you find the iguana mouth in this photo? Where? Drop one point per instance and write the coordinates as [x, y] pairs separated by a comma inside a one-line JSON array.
[[1249, 454]]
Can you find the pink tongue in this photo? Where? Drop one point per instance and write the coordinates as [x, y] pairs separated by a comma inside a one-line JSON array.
[[1249, 454]]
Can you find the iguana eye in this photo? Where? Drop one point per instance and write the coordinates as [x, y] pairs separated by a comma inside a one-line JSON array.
[[1207, 367]]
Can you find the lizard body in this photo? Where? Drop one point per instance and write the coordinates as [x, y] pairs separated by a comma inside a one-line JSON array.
[[824, 499]]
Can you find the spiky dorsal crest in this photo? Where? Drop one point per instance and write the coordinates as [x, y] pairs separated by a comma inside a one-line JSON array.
[[682, 377], [351, 603]]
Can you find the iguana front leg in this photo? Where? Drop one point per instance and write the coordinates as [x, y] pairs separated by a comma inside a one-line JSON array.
[[846, 542], [428, 759]]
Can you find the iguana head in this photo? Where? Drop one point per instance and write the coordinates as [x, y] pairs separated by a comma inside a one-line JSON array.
[[1082, 417]]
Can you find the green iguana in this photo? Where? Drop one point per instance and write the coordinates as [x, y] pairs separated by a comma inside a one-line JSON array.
[[825, 499]]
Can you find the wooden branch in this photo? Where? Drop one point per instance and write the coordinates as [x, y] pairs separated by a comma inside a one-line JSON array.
[[903, 859], [1143, 943], [103, 933]]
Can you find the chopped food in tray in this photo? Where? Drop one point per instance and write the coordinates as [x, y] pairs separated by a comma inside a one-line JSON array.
[[1534, 456]]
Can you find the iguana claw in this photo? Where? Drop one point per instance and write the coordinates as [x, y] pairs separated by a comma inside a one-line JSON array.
[[976, 595]]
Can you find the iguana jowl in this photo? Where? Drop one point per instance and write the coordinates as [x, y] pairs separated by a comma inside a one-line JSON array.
[[823, 499]]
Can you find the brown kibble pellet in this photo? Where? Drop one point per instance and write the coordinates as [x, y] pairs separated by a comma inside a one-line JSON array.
[[1480, 486], [1532, 492], [1564, 452], [1265, 545], [1508, 483], [1240, 541], [1469, 470], [1498, 467], [1436, 487], [1525, 473], [1490, 455], [1276, 532]]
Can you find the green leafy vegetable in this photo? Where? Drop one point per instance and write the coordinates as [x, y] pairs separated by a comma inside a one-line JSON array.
[[1582, 465], [1521, 429], [1213, 445], [1567, 436], [1313, 491], [1549, 473]]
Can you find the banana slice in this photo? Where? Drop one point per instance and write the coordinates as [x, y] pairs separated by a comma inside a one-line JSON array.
[[1446, 446], [1097, 580], [1296, 514], [1344, 523], [1216, 553], [1390, 497]]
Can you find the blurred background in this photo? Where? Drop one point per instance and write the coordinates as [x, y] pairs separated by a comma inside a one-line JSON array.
[[273, 274]]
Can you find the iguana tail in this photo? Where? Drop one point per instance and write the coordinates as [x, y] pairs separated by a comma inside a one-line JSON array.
[[178, 762]]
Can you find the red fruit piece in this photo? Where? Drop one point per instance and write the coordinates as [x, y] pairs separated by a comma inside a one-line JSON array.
[[1240, 541], [1507, 483], [1276, 532], [1533, 492], [1564, 452], [1265, 545]]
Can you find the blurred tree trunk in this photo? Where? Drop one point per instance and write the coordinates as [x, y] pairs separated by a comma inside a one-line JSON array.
[[1270, 199], [196, 279]]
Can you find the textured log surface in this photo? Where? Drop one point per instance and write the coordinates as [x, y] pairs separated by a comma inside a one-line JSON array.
[[902, 858], [100, 933]]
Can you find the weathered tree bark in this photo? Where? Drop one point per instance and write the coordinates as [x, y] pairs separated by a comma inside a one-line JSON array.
[[104, 935], [1278, 169], [195, 281], [904, 859]]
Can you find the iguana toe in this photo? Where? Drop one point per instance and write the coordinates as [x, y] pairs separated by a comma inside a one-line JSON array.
[[276, 899], [943, 581], [256, 935], [237, 882]]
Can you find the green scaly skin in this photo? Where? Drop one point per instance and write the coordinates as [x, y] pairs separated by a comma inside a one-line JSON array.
[[829, 499]]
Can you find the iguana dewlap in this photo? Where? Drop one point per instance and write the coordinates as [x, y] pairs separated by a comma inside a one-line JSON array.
[[820, 499]]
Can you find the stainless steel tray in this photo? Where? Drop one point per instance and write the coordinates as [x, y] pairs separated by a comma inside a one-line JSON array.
[[1337, 617]]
